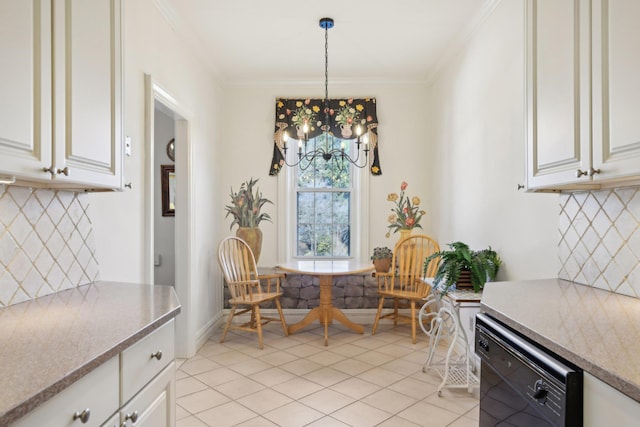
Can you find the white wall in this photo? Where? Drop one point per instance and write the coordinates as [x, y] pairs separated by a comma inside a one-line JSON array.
[[248, 146], [459, 145], [151, 46], [476, 121]]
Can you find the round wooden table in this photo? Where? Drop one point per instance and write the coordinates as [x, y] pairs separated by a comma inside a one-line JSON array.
[[325, 271]]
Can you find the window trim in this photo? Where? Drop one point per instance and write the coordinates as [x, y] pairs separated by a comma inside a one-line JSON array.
[[359, 217]]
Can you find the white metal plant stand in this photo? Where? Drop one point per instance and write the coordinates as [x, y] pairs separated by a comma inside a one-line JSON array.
[[456, 367]]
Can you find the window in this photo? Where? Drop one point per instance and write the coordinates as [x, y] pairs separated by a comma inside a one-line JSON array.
[[323, 207], [322, 212]]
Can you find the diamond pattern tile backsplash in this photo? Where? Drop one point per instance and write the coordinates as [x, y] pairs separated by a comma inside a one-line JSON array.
[[46, 243], [600, 239]]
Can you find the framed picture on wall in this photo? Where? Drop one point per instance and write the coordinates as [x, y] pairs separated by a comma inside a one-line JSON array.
[[168, 179]]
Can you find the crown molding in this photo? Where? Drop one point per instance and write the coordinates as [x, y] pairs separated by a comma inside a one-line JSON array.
[[462, 40], [186, 34]]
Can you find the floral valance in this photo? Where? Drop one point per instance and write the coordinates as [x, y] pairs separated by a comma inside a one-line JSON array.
[[344, 115]]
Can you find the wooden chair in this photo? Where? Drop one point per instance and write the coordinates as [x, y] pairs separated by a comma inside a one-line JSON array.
[[247, 294], [405, 284]]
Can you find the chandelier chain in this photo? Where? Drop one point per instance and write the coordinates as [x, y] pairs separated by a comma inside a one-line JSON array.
[[328, 152], [326, 76]]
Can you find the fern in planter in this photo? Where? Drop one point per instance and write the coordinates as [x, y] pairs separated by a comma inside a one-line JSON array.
[[483, 266]]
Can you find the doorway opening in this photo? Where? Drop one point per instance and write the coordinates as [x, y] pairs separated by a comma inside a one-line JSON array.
[[164, 264], [169, 110]]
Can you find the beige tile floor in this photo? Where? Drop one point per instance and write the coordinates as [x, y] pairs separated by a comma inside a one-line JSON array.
[[357, 380]]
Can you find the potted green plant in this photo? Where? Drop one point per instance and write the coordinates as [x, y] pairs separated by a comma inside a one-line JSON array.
[[382, 259], [245, 209], [460, 262]]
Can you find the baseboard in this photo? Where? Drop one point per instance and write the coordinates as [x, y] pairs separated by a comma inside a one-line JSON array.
[[204, 333]]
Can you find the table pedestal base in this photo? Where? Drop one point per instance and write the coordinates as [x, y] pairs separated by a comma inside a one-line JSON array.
[[326, 312]]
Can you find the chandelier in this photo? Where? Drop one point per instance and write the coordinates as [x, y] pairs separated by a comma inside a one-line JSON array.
[[326, 148]]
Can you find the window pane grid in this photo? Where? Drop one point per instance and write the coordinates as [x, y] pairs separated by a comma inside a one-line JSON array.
[[323, 207]]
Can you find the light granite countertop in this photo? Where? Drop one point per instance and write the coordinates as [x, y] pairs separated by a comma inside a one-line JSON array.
[[50, 342], [597, 330]]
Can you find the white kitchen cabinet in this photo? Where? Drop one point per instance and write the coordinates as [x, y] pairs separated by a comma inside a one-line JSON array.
[[145, 359], [154, 405], [61, 114], [580, 92], [134, 389], [606, 406], [616, 88], [147, 380], [87, 402]]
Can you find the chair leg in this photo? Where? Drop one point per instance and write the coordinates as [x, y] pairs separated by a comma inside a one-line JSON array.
[[228, 325], [284, 324], [258, 325], [413, 321], [395, 312], [375, 322], [253, 316]]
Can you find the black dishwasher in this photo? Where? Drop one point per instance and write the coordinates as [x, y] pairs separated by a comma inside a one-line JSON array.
[[523, 384]]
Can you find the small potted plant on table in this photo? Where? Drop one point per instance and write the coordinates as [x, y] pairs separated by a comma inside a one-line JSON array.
[[382, 259]]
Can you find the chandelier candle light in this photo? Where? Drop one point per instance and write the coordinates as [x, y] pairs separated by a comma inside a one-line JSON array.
[[304, 118]]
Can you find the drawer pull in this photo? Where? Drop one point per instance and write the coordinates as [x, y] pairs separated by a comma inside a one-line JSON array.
[[133, 417], [157, 355], [82, 416]]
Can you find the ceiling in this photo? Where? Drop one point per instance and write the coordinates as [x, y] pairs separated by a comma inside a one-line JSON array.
[[257, 41]]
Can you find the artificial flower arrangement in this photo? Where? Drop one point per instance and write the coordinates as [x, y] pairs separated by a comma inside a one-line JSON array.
[[406, 212], [245, 206], [305, 114], [348, 114]]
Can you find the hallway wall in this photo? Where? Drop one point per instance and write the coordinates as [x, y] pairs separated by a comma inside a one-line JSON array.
[[477, 158], [152, 47]]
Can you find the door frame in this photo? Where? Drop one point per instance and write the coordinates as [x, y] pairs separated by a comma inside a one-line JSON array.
[[184, 216]]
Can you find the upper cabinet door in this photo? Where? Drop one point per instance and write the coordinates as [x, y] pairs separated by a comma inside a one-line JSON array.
[[557, 92], [61, 89], [87, 137], [25, 88], [616, 88]]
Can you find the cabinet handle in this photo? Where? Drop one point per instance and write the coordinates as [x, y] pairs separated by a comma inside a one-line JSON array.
[[64, 171], [593, 171], [50, 169], [133, 417], [520, 186], [82, 416], [580, 173], [157, 355], [128, 185]]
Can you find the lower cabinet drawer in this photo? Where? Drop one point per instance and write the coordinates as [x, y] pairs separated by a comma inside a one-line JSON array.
[[145, 359], [87, 402], [154, 405]]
